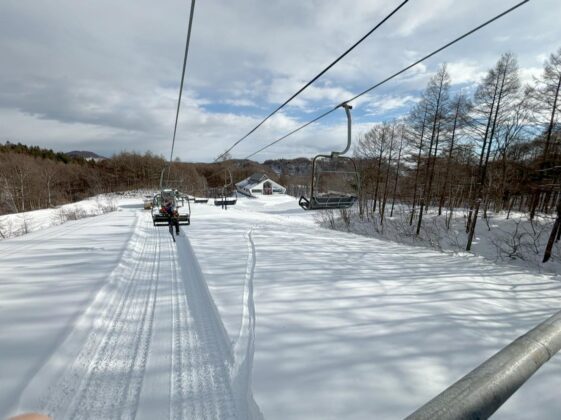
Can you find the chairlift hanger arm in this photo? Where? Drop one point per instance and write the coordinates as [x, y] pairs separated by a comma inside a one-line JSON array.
[[228, 180], [162, 177], [347, 108]]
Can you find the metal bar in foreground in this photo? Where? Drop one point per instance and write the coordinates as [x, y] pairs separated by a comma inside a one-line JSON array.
[[482, 391]]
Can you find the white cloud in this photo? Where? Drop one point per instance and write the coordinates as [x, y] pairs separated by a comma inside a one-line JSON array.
[[502, 38], [382, 104], [105, 75], [527, 74], [65, 137], [240, 102], [542, 57], [468, 71], [423, 13]]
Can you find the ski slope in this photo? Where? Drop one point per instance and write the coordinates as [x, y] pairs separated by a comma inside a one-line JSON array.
[[257, 311]]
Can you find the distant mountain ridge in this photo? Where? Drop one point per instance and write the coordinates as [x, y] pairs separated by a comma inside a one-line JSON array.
[[86, 155]]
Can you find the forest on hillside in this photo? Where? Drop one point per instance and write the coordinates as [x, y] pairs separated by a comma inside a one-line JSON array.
[[33, 178]]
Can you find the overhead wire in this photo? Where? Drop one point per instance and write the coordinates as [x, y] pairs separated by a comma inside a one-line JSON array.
[[187, 42], [312, 80], [449, 44]]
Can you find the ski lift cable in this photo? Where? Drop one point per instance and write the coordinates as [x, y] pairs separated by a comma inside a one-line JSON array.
[[314, 79], [449, 44], [426, 57], [325, 114], [191, 13]]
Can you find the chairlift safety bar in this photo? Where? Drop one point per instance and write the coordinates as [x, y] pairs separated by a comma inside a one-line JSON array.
[[482, 391]]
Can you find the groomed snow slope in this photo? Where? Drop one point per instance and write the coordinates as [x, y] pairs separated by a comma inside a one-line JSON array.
[[107, 317]]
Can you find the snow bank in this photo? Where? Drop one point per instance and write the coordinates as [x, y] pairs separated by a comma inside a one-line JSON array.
[[18, 224]]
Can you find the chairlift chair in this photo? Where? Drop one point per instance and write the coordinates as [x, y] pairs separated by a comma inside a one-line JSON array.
[[179, 202], [199, 199], [198, 196], [229, 196], [226, 199], [335, 181]]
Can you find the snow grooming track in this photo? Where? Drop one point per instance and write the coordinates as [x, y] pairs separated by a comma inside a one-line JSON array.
[[98, 370], [151, 344], [202, 372]]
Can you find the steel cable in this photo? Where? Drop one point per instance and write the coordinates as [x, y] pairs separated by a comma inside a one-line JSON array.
[[449, 44], [313, 80], [191, 13]]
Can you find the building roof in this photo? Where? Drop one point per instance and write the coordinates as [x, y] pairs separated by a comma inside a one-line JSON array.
[[254, 180], [257, 177]]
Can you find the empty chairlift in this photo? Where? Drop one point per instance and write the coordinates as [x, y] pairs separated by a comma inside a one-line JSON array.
[[335, 180], [228, 195]]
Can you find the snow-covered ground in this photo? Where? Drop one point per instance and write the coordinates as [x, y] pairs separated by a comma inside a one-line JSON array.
[[257, 310], [511, 239]]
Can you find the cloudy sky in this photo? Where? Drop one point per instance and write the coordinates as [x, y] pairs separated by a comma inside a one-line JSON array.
[[104, 75]]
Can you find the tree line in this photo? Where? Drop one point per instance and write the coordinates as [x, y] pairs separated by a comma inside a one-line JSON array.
[[33, 178], [496, 149]]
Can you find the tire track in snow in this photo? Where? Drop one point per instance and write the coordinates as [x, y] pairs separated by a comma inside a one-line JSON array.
[[100, 370], [57, 365], [141, 356], [76, 325], [200, 383], [181, 362], [218, 381], [102, 379], [115, 375]]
